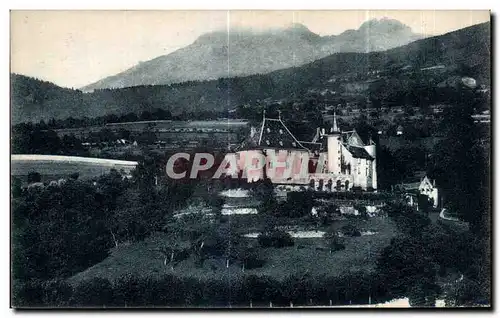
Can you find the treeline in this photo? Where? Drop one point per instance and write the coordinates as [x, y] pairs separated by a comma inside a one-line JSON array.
[[156, 114], [30, 138], [71, 122], [174, 291]]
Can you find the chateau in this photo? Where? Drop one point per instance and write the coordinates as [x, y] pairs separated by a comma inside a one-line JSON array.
[[333, 160]]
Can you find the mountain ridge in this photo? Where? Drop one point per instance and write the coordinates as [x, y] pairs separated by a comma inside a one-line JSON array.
[[243, 52]]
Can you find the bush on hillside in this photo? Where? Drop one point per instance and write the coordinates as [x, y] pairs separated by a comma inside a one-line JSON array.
[[275, 238]]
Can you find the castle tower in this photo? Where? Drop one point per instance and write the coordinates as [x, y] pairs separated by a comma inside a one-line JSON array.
[[334, 143], [371, 148]]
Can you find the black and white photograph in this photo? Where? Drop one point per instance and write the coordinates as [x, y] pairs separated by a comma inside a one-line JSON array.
[[256, 159]]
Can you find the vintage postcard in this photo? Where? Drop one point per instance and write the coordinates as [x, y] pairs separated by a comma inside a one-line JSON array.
[[250, 159]]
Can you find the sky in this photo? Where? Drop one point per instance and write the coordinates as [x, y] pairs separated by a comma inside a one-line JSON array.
[[76, 48]]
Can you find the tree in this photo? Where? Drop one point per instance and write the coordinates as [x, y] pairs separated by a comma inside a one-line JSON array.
[[147, 137], [28, 293], [421, 295], [106, 135], [57, 293], [424, 205], [298, 204], [34, 176], [407, 220], [123, 134], [169, 246], [350, 230], [69, 228], [405, 263], [362, 211], [130, 291], [461, 168], [96, 292], [468, 292], [296, 289], [261, 289], [333, 241], [15, 187], [264, 192], [249, 257], [275, 238], [145, 115]]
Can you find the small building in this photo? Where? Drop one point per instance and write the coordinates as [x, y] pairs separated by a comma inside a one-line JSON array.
[[398, 109], [429, 189]]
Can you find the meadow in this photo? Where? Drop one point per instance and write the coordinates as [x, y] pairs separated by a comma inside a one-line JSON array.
[[55, 167], [307, 256]]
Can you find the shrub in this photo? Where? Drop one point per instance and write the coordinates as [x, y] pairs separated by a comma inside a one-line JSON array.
[[57, 293], [362, 210], [333, 242], [97, 292], [350, 230], [250, 258], [275, 238], [27, 294], [34, 176]]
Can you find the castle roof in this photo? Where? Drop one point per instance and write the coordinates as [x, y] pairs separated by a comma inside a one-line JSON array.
[[427, 182], [359, 152], [275, 134], [352, 138], [313, 146]]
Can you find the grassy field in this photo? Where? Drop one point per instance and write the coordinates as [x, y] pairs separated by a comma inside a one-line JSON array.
[[61, 167], [307, 256]]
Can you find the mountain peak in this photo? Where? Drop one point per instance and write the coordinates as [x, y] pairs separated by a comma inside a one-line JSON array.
[[385, 25], [297, 27], [300, 30], [213, 37]]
